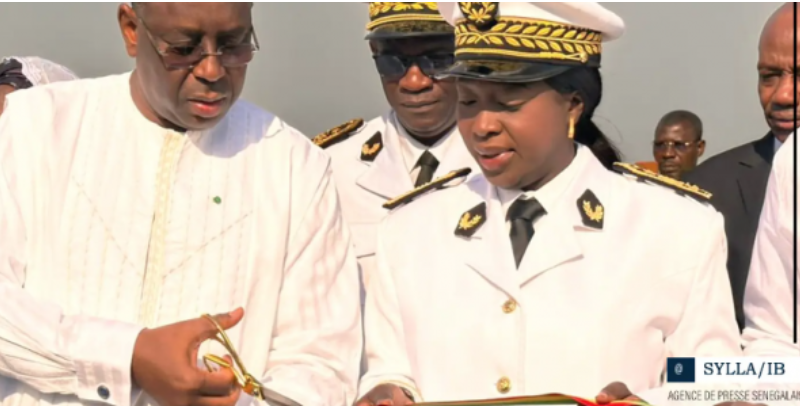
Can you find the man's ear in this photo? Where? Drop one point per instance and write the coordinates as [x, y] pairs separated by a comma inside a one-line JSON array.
[[701, 148], [128, 22]]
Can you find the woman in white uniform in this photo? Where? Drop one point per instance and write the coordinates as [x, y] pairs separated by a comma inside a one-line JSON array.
[[548, 272]]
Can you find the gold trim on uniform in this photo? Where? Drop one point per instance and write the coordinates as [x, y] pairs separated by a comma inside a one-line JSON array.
[[681, 187], [337, 134], [382, 13], [591, 210], [471, 220], [437, 183], [372, 147]]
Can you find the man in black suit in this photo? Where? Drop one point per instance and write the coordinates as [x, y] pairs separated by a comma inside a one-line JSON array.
[[737, 178]]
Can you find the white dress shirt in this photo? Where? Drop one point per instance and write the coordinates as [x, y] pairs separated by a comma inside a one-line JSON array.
[[111, 223], [769, 296], [452, 318]]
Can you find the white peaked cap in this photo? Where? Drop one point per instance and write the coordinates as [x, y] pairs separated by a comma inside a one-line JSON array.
[[591, 16]]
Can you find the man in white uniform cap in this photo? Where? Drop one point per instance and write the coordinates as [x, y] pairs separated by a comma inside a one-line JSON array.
[[413, 143], [133, 204]]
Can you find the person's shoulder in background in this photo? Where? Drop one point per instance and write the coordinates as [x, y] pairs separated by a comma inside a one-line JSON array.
[[709, 171]]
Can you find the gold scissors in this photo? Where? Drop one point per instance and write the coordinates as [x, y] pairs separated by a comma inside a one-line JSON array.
[[246, 381]]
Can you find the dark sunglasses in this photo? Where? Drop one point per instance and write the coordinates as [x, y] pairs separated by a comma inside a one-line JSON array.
[[187, 56], [395, 67]]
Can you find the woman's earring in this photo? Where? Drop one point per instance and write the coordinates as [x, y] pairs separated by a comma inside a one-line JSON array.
[[571, 133]]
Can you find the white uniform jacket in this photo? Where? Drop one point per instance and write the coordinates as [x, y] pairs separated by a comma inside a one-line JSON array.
[[452, 318], [366, 181], [110, 223]]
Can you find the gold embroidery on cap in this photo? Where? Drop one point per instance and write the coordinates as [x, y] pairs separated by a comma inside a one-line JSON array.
[[383, 13], [528, 39], [481, 13]]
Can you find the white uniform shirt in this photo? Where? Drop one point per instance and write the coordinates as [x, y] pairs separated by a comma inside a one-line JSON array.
[[110, 223], [365, 186], [453, 318], [769, 296]]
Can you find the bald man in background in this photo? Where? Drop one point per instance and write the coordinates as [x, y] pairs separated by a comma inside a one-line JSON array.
[[738, 177]]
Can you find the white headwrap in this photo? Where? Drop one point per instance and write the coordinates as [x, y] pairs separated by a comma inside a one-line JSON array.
[[40, 71]]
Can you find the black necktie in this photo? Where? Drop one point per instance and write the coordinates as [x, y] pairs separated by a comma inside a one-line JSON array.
[[522, 213], [427, 164]]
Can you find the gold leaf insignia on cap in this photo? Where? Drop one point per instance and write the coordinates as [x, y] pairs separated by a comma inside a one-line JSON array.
[[481, 13], [438, 183], [372, 147], [592, 211], [682, 188], [529, 39], [337, 134], [471, 220]]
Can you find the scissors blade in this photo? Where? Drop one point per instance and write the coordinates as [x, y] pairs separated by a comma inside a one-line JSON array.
[[276, 399]]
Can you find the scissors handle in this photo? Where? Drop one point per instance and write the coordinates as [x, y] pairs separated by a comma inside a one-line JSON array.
[[246, 381]]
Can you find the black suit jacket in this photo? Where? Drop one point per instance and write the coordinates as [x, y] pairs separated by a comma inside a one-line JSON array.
[[737, 179]]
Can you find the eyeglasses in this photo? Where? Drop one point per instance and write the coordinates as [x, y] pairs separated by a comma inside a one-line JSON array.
[[679, 146], [246, 381], [187, 56], [395, 67]]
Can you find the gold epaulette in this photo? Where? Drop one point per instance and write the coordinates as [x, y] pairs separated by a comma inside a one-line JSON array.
[[337, 134], [681, 187], [438, 183]]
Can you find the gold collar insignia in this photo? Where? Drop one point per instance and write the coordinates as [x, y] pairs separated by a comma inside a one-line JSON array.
[[592, 211], [471, 220], [372, 147]]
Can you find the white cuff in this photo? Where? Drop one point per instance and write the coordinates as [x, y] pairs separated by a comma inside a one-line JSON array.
[[102, 351]]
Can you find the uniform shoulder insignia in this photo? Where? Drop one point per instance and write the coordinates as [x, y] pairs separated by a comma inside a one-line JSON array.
[[681, 187], [438, 183], [338, 133]]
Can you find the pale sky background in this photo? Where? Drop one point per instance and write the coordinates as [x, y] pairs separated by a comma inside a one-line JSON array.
[[315, 70]]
